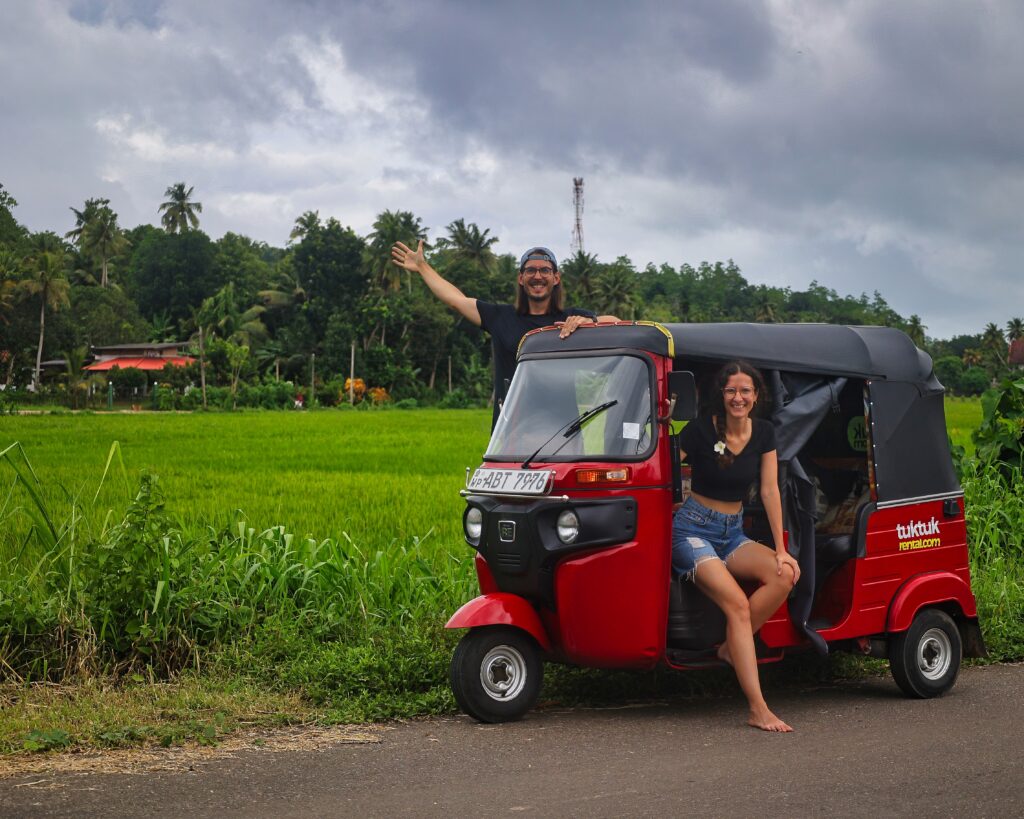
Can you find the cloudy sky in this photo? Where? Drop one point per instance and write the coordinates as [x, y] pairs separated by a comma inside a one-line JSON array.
[[865, 145]]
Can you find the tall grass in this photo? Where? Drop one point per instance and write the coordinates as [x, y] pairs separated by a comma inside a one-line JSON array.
[[108, 577], [143, 592], [995, 530]]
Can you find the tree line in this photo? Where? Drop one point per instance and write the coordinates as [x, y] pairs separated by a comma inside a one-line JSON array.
[[303, 312]]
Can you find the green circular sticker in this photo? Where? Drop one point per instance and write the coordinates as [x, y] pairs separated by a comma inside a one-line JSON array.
[[857, 434]]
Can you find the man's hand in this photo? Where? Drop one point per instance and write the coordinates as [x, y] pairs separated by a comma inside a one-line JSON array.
[[571, 324], [405, 257]]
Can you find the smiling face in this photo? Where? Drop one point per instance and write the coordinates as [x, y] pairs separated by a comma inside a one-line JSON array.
[[538, 279], [739, 395]]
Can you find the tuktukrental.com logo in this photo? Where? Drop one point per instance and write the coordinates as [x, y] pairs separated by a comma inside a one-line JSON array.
[[917, 528], [915, 535]]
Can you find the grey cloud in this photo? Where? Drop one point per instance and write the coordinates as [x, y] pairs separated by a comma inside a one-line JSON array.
[[869, 145]]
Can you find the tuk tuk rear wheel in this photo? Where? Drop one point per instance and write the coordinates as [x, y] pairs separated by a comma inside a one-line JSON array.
[[496, 673], [925, 659]]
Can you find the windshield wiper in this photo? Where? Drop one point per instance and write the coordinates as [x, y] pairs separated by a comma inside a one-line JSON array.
[[571, 428]]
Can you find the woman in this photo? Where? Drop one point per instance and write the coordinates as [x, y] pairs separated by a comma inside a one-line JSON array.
[[727, 452]]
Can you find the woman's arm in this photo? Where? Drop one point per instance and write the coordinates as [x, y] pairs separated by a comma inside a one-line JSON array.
[[772, 501], [414, 261]]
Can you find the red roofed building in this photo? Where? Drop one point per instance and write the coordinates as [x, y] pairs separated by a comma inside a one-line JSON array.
[[1016, 355], [144, 356]]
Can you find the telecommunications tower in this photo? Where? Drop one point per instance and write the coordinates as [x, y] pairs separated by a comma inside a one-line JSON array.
[[577, 202]]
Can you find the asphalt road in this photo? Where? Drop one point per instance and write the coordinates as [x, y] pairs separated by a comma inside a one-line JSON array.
[[859, 749]]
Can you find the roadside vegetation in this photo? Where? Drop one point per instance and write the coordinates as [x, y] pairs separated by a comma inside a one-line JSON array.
[[212, 572]]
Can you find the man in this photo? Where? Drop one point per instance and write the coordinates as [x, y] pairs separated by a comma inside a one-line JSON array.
[[539, 303]]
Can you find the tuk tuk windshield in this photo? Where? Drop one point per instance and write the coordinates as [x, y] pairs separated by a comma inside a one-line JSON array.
[[548, 394]]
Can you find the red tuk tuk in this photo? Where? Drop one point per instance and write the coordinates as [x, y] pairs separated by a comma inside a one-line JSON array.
[[571, 511]]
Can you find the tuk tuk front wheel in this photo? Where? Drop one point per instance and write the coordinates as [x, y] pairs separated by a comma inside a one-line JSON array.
[[925, 659], [496, 673]]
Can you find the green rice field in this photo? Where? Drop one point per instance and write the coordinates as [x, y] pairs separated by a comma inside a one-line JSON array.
[[963, 416], [377, 477]]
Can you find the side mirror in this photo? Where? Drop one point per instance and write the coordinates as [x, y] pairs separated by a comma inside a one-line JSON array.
[[682, 393]]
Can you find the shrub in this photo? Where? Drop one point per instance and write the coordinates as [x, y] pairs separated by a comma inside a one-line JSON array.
[[974, 382], [1000, 438]]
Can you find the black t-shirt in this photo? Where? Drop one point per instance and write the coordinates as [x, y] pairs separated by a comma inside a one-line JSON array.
[[730, 483], [507, 327]]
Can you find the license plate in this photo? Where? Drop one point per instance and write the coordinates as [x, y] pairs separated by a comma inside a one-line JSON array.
[[511, 481]]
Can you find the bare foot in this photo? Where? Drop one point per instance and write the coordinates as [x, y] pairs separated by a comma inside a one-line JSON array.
[[723, 654], [767, 721]]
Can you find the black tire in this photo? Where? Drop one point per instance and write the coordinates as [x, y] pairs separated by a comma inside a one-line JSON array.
[[496, 673], [925, 659]]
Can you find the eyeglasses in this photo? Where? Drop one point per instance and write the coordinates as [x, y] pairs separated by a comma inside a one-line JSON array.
[[732, 392], [540, 271]]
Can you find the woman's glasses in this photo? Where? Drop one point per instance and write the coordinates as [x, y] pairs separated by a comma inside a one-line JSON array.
[[743, 392]]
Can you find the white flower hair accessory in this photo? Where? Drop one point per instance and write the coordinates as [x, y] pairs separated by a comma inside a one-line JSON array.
[[719, 447]]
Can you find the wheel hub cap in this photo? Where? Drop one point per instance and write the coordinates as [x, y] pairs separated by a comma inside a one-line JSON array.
[[503, 673], [934, 654]]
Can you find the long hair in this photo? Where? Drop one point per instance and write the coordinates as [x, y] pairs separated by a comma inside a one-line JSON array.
[[556, 305], [718, 401]]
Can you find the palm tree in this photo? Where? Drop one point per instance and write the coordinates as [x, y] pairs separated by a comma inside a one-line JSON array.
[[161, 327], [615, 291], [765, 308], [229, 322], [992, 340], [179, 213], [579, 272], [46, 279], [471, 245], [103, 239], [287, 291], [84, 217], [10, 270], [391, 227], [304, 225], [972, 357], [1014, 329], [200, 320], [915, 330], [74, 364], [269, 356]]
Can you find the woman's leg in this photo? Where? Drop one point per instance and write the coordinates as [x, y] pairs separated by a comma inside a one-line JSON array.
[[716, 582], [753, 561]]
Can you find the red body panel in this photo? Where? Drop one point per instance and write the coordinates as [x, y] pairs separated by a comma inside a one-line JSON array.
[[902, 542], [778, 631], [613, 603], [484, 576], [501, 609], [927, 589]]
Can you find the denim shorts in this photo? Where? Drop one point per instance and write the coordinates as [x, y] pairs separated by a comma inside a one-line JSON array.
[[700, 534]]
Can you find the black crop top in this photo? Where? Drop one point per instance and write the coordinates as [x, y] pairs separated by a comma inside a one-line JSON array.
[[730, 483]]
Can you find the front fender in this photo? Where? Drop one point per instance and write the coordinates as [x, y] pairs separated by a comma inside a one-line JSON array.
[[925, 590], [501, 609]]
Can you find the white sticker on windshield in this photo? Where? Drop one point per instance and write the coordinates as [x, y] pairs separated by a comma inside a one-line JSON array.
[[631, 432]]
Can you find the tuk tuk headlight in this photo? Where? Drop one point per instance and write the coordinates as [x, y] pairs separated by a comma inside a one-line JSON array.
[[473, 523], [568, 526]]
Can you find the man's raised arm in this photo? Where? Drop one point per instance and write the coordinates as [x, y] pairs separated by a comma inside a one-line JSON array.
[[414, 261]]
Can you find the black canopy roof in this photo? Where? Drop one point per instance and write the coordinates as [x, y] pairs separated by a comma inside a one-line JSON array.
[[828, 349]]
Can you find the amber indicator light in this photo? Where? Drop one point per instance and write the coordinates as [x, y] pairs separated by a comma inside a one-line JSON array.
[[618, 475]]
